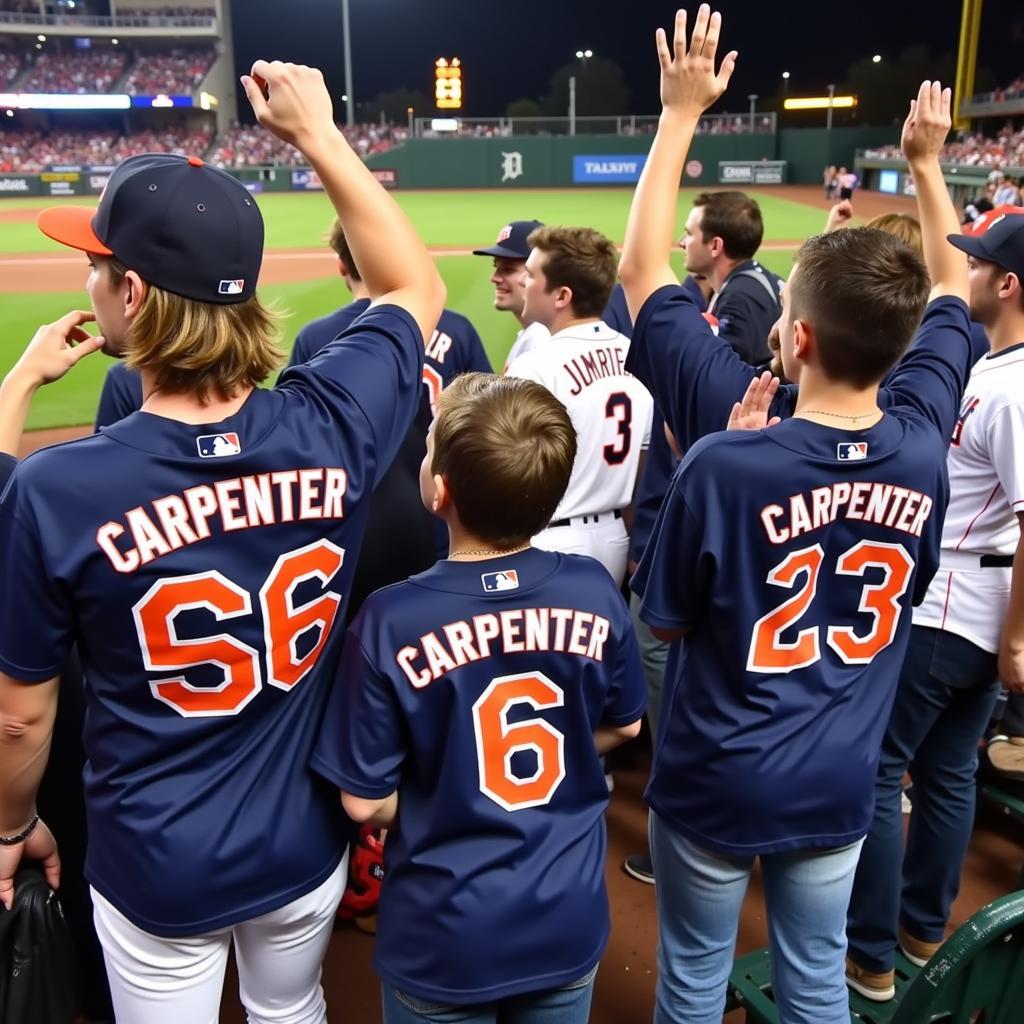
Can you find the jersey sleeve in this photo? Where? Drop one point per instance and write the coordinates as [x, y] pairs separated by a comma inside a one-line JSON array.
[[930, 379], [695, 378], [7, 464], [674, 575], [120, 397], [377, 363], [1006, 449], [626, 698], [35, 615], [361, 745]]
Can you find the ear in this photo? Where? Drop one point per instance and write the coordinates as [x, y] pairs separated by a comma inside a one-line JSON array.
[[135, 294], [717, 246], [442, 496], [803, 340], [1010, 286], [563, 297]]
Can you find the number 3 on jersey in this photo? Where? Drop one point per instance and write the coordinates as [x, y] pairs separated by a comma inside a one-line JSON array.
[[497, 741], [283, 624], [769, 654], [619, 408]]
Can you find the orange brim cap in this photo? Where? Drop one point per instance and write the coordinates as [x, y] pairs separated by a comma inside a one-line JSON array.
[[72, 226]]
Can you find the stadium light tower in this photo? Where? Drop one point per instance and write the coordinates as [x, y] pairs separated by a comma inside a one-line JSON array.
[[350, 102]]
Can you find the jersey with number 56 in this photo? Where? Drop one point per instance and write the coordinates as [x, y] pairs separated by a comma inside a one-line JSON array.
[[474, 689], [584, 368], [791, 557], [201, 570]]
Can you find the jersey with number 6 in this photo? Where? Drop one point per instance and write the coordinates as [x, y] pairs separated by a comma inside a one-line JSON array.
[[201, 570], [474, 690], [791, 556], [584, 367]]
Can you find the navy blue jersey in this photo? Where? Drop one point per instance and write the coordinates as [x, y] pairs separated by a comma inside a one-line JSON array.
[[651, 488], [120, 397], [746, 309], [791, 555], [200, 569], [695, 379], [474, 690]]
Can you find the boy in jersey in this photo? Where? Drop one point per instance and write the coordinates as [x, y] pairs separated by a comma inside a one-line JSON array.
[[199, 552], [968, 634], [568, 278], [788, 558], [473, 704]]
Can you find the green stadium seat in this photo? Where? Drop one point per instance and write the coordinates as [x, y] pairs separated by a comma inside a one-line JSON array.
[[979, 968], [1009, 803]]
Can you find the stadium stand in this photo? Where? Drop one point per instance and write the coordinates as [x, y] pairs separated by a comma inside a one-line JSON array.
[[19, 6], [175, 71], [1013, 91], [253, 146], [180, 11], [27, 151], [80, 71], [1004, 150], [10, 65]]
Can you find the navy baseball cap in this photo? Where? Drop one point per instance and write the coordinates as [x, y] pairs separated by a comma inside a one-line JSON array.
[[512, 240], [180, 224], [1002, 243]]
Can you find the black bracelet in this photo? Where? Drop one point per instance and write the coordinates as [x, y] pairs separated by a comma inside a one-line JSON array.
[[22, 835]]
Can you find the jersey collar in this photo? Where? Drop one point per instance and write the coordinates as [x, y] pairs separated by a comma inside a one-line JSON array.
[[823, 443]]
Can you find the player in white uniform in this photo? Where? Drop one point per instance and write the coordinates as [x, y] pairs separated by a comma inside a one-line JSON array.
[[569, 275], [509, 253], [968, 633]]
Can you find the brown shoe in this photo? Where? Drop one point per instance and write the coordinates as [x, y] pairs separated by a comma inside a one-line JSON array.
[[1006, 756], [917, 951], [879, 988]]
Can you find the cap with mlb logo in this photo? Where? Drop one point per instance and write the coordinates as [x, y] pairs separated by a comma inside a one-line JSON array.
[[513, 240], [1001, 242], [180, 224]]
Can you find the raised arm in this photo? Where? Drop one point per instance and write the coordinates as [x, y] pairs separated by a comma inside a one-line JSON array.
[[689, 85], [924, 135], [392, 259]]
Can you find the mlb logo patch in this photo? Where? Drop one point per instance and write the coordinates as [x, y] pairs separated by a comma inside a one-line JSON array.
[[217, 446], [852, 451], [505, 232], [231, 287], [507, 579]]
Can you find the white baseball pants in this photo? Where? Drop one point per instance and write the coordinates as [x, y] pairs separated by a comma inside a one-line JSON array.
[[607, 541], [155, 980]]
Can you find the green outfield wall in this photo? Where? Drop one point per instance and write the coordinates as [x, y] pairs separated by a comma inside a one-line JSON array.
[[792, 156]]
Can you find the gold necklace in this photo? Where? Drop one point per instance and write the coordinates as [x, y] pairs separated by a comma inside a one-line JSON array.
[[488, 551], [838, 415]]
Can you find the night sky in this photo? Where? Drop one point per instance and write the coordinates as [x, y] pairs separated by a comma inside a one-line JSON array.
[[510, 49]]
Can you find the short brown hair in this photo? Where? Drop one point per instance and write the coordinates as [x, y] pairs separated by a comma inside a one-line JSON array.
[[506, 448], [580, 259], [200, 348], [735, 218], [337, 241], [905, 227], [864, 292]]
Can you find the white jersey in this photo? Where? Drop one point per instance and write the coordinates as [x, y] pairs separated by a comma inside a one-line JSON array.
[[527, 340], [584, 367], [986, 484]]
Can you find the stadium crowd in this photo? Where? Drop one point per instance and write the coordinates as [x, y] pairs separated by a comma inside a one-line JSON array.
[[167, 11], [1005, 149], [253, 146], [75, 71], [10, 65], [178, 71], [30, 152]]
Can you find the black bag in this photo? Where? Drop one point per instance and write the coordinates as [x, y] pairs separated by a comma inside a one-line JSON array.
[[37, 959]]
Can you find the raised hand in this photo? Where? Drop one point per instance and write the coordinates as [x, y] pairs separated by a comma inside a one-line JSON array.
[[928, 123], [291, 100], [55, 348], [689, 82], [752, 412], [839, 216]]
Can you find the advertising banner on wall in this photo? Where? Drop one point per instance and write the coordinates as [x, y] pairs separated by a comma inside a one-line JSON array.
[[305, 180], [752, 172], [615, 169]]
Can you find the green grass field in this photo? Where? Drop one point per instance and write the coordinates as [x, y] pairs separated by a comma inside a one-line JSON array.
[[458, 219]]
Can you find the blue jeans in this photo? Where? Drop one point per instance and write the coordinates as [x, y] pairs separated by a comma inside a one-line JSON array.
[[569, 1005], [700, 894], [945, 698]]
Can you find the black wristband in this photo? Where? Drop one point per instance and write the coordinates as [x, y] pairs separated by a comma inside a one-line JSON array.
[[22, 835]]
